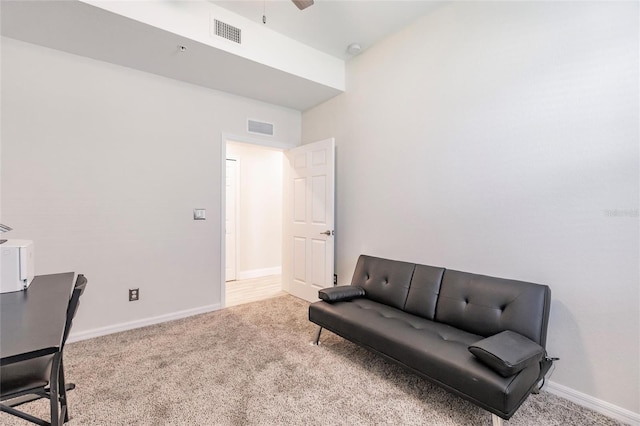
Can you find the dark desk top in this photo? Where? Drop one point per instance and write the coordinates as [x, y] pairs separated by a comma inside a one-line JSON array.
[[32, 321]]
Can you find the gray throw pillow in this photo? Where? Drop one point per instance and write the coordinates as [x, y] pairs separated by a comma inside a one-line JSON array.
[[340, 293], [507, 352]]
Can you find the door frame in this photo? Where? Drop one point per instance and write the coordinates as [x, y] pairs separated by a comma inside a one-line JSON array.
[[224, 138], [237, 214]]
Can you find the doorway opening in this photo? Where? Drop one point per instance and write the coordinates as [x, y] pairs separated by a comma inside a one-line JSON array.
[[253, 222]]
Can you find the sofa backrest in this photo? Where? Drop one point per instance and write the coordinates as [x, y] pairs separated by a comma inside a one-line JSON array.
[[424, 291], [475, 303], [385, 281], [485, 305]]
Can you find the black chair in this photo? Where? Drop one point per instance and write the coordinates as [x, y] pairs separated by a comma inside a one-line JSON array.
[[42, 377]]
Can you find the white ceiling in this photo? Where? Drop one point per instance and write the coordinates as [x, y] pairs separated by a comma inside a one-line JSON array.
[[328, 26], [331, 25]]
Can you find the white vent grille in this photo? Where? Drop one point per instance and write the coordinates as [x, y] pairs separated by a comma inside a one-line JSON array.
[[260, 128], [224, 30]]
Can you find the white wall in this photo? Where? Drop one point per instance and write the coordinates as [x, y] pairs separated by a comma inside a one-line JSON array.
[[259, 226], [502, 138], [102, 166]]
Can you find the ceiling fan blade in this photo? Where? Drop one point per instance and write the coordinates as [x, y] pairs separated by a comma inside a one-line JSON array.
[[302, 4]]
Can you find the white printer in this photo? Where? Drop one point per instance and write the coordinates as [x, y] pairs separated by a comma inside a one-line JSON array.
[[16, 265]]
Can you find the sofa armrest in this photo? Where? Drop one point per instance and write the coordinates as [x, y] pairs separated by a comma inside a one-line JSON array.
[[507, 352], [340, 293]]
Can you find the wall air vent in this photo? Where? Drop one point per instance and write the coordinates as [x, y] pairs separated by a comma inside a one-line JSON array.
[[224, 30], [260, 128]]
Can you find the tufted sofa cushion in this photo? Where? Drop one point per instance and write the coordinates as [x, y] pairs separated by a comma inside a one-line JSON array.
[[486, 305], [385, 281]]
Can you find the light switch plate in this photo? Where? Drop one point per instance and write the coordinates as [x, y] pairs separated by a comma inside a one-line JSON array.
[[199, 214]]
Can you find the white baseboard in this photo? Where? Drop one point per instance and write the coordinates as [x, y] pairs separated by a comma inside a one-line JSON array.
[[257, 273], [595, 404], [103, 331]]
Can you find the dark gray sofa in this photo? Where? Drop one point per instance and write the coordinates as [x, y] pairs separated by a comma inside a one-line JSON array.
[[430, 320]]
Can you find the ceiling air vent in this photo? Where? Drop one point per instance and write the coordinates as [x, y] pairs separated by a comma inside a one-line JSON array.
[[224, 30], [260, 128]]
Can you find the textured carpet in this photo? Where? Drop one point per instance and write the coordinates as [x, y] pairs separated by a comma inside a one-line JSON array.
[[253, 365]]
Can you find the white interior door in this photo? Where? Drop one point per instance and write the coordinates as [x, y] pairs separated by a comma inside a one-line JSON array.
[[308, 246], [230, 222]]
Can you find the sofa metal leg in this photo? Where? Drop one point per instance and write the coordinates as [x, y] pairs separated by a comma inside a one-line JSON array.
[[317, 338], [497, 421]]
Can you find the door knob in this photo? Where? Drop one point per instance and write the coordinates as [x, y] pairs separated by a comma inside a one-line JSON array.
[[327, 233]]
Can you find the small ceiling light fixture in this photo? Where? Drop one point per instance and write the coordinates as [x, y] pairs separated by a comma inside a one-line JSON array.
[[354, 49], [182, 48]]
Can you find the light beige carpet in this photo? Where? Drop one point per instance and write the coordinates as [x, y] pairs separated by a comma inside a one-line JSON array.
[[253, 365]]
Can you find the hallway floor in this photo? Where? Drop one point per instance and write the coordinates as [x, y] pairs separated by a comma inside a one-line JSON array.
[[253, 289]]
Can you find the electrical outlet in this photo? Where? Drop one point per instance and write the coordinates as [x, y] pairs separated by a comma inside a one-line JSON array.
[[134, 294], [335, 279]]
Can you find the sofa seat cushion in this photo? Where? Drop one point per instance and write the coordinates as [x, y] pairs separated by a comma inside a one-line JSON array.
[[437, 351]]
